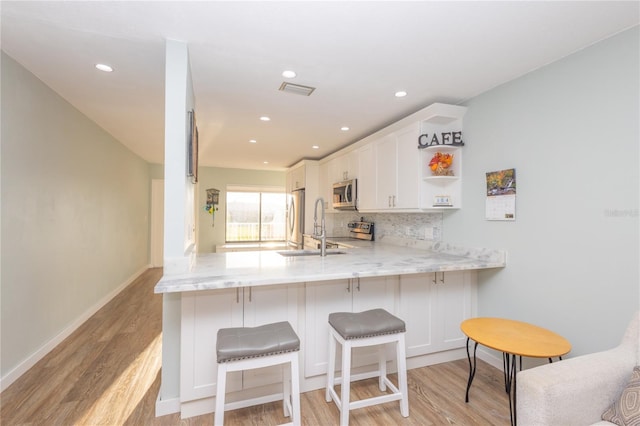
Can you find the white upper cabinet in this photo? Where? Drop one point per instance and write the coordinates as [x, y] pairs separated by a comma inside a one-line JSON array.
[[306, 175], [366, 178], [296, 178], [392, 165], [398, 171], [343, 168], [386, 158], [409, 172], [325, 183]]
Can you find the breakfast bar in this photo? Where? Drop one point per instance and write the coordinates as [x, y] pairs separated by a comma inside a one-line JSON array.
[[247, 269], [432, 287]]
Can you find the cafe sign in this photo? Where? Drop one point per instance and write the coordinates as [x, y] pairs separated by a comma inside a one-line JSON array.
[[440, 139]]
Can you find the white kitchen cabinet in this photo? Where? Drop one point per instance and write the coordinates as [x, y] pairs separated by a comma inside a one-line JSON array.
[[264, 305], [343, 167], [205, 312], [433, 306], [324, 185], [296, 177], [386, 158], [398, 170], [393, 173], [366, 178], [408, 169], [306, 175], [354, 295]]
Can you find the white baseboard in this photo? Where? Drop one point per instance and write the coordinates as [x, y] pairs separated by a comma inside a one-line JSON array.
[[167, 406], [32, 359]]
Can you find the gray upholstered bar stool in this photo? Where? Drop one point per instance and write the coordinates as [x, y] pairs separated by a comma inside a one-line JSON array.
[[369, 328], [245, 348]]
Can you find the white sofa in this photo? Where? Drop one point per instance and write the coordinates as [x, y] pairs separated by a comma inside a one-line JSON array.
[[576, 391]]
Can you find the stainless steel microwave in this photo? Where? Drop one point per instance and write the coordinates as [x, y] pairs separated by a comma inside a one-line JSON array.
[[345, 195]]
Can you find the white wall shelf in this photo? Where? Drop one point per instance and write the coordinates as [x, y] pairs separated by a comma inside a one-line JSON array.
[[437, 189]]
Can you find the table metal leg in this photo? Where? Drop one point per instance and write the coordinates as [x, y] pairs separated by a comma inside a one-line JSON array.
[[510, 375], [472, 367], [507, 359], [506, 370]]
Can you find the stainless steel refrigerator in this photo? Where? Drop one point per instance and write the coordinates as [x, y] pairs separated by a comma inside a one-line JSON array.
[[295, 219]]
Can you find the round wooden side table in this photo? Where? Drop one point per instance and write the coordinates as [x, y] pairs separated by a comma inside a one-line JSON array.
[[513, 339]]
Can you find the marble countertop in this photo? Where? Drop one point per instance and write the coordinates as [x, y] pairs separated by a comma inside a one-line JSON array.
[[214, 271]]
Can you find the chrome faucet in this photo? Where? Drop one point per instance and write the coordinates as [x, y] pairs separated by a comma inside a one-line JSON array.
[[323, 231]]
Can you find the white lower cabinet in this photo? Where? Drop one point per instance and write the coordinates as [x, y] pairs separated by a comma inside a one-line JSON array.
[[433, 306], [353, 295], [204, 312]]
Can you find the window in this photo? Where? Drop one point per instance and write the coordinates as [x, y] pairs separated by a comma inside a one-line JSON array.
[[255, 215]]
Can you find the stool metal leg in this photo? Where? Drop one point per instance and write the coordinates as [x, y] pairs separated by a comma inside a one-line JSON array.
[[220, 394]]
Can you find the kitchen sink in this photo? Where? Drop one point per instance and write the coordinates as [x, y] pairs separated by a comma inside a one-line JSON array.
[[292, 253]]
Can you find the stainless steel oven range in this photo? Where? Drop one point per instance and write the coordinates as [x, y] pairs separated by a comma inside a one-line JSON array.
[[361, 230]]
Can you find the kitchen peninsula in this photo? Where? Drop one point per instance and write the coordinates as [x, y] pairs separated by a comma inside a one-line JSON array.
[[258, 268], [432, 286]]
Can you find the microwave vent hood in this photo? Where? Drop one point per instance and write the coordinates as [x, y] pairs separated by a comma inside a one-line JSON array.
[[345, 195]]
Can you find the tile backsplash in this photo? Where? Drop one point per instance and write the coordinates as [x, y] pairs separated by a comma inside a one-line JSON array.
[[417, 226]]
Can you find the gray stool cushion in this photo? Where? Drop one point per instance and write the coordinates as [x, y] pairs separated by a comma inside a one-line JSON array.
[[365, 324], [249, 342]]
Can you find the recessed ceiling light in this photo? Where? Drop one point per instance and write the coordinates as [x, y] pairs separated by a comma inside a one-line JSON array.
[[344, 128], [104, 67], [289, 74], [315, 147], [253, 141], [265, 162], [401, 94], [265, 118]]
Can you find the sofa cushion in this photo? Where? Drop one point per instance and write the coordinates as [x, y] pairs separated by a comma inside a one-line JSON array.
[[626, 410]]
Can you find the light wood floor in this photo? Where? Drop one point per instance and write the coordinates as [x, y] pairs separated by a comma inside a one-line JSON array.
[[107, 373]]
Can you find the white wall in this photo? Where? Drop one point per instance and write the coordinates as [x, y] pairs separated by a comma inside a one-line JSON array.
[[179, 233], [75, 218], [570, 129], [179, 216]]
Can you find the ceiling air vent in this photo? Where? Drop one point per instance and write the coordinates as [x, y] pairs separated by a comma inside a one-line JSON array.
[[296, 89]]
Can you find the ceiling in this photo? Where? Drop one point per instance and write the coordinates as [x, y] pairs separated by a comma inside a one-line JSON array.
[[356, 54]]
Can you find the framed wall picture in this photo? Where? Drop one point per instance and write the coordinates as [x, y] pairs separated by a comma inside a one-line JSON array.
[[192, 146]]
